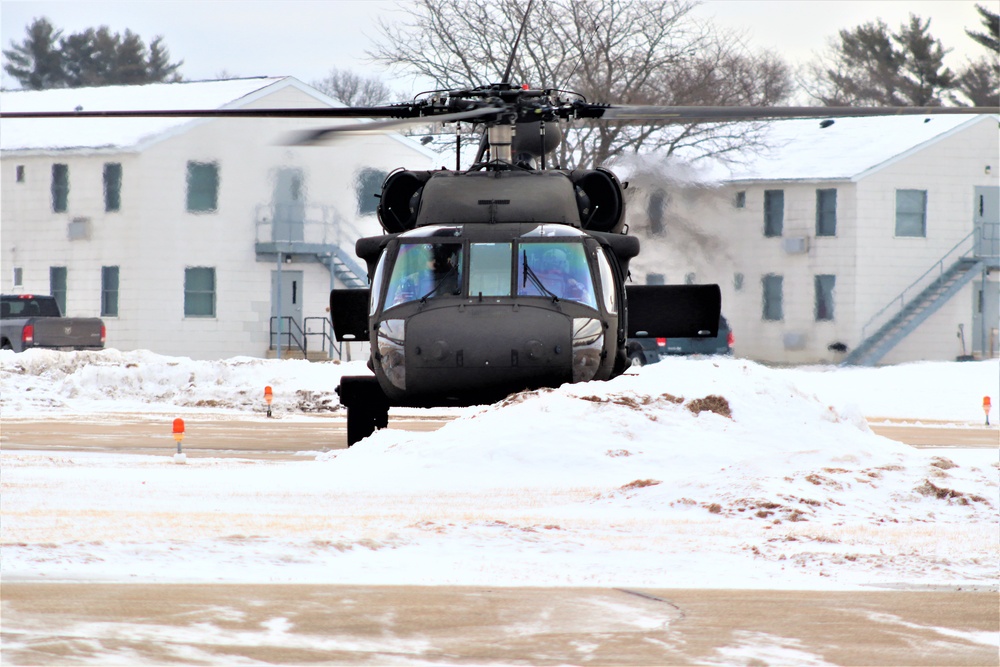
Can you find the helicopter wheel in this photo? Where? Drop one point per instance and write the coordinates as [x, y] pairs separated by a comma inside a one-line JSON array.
[[367, 407], [363, 421]]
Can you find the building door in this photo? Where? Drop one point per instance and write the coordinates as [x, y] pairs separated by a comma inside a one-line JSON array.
[[288, 303], [289, 206], [986, 295]]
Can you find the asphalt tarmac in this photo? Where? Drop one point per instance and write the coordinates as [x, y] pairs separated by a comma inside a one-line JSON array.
[[93, 623]]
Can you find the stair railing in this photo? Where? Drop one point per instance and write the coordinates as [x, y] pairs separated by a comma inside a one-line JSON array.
[[325, 333], [898, 303], [297, 337]]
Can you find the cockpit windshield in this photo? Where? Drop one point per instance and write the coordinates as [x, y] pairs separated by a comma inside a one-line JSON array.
[[425, 270], [556, 270]]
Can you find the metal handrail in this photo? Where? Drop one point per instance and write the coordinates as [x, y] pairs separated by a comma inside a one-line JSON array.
[[900, 299], [321, 224], [327, 340], [300, 341]]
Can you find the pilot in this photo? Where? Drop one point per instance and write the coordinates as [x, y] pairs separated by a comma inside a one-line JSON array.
[[439, 276], [555, 275]]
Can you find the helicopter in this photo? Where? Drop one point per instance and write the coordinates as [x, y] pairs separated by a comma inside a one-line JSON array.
[[510, 274]]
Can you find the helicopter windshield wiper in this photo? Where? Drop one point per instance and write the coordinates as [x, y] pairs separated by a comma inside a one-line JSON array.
[[453, 271], [529, 274]]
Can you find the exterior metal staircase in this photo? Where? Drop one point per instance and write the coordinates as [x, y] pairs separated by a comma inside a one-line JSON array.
[[979, 250], [914, 312], [344, 268]]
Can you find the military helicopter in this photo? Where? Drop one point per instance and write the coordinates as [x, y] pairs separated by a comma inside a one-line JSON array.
[[508, 275]]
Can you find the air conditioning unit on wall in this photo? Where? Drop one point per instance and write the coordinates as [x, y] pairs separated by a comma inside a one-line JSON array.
[[796, 245]]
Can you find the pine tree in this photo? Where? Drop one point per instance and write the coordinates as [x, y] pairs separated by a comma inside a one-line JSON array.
[[93, 57], [991, 21], [925, 78], [36, 62]]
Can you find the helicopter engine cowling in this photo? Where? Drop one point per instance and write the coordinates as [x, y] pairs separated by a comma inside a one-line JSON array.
[[599, 199], [400, 201], [528, 139]]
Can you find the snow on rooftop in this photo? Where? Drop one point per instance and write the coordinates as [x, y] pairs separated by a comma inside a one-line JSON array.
[[803, 149], [47, 134]]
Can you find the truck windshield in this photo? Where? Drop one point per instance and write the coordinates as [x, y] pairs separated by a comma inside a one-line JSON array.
[[555, 270]]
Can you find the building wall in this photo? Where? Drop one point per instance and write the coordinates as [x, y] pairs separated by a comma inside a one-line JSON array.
[[154, 238], [705, 234]]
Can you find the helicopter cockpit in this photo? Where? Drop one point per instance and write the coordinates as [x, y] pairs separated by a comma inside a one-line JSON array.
[[542, 261]]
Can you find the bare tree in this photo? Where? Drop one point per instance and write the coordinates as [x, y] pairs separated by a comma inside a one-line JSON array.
[[614, 51], [354, 90]]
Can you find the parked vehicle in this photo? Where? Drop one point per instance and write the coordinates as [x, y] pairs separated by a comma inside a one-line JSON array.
[[33, 320], [642, 351]]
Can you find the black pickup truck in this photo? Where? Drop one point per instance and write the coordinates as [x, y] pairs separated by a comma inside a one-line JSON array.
[[33, 320]]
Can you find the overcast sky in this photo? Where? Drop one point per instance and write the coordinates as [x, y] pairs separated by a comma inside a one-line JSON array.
[[306, 38]]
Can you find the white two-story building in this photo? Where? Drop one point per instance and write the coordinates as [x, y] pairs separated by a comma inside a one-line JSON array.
[[189, 236], [866, 240]]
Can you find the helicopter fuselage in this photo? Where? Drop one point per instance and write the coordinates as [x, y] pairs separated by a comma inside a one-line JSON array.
[[493, 282]]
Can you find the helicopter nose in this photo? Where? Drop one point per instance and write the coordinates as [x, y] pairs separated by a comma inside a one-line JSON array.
[[487, 348]]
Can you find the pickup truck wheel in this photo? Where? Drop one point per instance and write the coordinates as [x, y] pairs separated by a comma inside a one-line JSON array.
[[6, 345], [637, 359]]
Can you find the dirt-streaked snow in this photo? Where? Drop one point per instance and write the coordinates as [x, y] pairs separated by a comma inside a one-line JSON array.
[[620, 483]]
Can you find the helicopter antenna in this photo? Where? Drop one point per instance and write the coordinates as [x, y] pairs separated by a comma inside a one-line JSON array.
[[484, 141], [517, 41]]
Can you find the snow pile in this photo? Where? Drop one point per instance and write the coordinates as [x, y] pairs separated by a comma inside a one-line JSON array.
[[692, 472]]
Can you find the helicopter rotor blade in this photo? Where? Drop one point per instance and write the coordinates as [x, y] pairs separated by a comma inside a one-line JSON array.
[[388, 111], [313, 137], [690, 114]]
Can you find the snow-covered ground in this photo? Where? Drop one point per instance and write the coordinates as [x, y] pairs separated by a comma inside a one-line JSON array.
[[689, 473]]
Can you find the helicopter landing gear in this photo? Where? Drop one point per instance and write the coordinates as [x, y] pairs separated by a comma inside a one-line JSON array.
[[367, 407]]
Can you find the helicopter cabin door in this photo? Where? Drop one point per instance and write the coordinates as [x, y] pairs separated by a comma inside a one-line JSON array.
[[289, 206], [287, 303]]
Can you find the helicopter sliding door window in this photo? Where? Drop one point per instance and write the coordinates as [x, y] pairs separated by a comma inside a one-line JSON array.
[[60, 188], [773, 295], [826, 212], [911, 213], [202, 187], [199, 291], [774, 212], [489, 269]]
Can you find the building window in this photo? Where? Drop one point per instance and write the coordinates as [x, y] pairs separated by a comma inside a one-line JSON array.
[[740, 200], [19, 173], [772, 297], [656, 279], [774, 212], [738, 282], [824, 297], [57, 286], [109, 291], [655, 208], [826, 212], [112, 186], [911, 212], [369, 187], [18, 276], [60, 188], [202, 187], [199, 291]]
